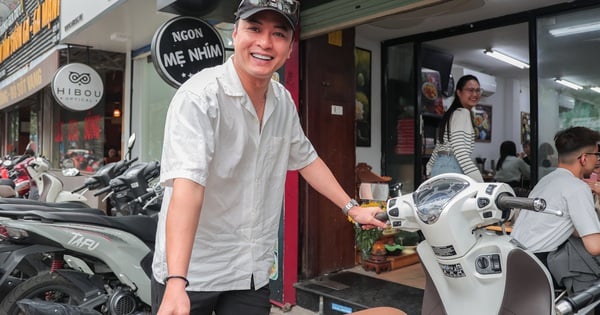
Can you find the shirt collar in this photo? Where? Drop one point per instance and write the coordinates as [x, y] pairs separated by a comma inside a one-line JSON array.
[[232, 85]]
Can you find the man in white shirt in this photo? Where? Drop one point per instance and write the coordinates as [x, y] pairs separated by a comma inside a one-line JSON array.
[[231, 135]]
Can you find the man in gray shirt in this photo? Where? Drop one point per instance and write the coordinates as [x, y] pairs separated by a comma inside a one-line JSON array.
[[563, 189]]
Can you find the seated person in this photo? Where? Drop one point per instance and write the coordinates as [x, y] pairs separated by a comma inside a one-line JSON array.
[[511, 169], [546, 159], [112, 156], [577, 232], [526, 151]]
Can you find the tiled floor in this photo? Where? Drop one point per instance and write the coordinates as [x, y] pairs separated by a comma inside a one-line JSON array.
[[412, 275]]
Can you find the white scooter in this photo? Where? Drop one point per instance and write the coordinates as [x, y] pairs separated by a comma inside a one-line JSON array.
[[50, 187], [469, 268]]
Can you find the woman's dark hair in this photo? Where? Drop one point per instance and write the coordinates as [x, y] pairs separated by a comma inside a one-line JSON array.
[[445, 123], [506, 148]]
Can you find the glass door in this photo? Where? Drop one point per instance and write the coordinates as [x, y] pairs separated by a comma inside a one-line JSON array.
[[399, 144]]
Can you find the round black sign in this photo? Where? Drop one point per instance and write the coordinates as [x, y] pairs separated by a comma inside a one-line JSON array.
[[183, 46]]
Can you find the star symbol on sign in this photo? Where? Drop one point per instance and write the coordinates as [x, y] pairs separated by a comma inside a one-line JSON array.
[[183, 75]]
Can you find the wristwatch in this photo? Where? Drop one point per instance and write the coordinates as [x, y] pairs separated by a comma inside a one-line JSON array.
[[351, 204]]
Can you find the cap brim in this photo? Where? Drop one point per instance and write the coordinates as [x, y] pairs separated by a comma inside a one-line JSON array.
[[253, 11]]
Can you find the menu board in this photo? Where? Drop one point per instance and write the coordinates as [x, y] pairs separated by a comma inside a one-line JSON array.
[[431, 96]]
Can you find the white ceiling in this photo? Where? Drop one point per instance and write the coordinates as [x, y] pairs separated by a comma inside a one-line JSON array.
[[131, 25], [135, 21], [467, 49]]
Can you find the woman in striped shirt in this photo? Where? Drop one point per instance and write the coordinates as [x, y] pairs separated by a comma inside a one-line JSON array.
[[456, 136]]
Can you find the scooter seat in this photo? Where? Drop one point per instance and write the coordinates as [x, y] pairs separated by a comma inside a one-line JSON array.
[[49, 207], [143, 227], [19, 201]]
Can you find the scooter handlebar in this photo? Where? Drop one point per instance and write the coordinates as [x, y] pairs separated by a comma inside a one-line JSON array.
[[102, 190], [382, 216], [506, 202], [78, 189], [573, 304]]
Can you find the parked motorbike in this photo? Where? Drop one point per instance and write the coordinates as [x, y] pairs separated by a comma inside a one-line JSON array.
[[471, 269], [135, 192], [98, 262], [15, 180], [50, 187], [20, 176], [132, 195], [9, 162]]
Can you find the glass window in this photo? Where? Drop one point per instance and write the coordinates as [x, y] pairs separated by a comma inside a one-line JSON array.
[[399, 116], [23, 129], [79, 138], [13, 133], [152, 96], [567, 50]]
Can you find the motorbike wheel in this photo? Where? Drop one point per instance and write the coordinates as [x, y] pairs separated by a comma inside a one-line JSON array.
[[45, 287]]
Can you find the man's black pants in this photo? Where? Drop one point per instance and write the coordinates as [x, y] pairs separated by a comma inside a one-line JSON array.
[[247, 302]]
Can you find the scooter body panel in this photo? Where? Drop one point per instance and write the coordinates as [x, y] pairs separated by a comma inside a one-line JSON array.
[[67, 196], [485, 268], [122, 252]]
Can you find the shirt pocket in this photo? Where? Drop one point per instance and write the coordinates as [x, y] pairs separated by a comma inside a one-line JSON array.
[[276, 155]]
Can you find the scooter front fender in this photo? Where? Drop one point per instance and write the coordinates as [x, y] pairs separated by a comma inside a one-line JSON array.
[[91, 286]]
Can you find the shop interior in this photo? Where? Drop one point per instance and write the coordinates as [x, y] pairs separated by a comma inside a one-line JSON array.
[[507, 88]]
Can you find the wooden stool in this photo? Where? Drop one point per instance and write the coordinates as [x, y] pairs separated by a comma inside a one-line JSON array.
[[376, 266]]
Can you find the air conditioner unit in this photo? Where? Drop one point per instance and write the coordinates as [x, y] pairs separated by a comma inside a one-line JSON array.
[[566, 101], [486, 81]]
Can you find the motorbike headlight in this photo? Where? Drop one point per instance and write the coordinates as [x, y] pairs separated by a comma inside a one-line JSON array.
[[431, 197]]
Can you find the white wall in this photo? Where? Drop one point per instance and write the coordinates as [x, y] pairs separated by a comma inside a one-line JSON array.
[[372, 155], [511, 98]]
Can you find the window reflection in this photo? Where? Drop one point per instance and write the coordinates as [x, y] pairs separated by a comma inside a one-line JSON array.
[[567, 50]]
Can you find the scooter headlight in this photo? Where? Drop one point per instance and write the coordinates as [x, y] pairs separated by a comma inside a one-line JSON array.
[[431, 197]]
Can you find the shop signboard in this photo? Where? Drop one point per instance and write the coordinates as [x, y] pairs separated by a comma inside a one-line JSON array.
[[77, 87], [183, 46]]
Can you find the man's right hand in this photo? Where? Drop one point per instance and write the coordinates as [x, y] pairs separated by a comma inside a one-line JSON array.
[[175, 300]]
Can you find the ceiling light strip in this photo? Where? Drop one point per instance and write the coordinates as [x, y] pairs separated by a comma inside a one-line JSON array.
[[595, 89], [508, 59], [575, 29], [569, 84]]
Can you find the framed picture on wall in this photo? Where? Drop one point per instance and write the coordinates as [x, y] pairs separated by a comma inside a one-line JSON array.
[[483, 123], [525, 127], [362, 61]]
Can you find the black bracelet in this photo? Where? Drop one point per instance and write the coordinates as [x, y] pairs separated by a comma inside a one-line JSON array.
[[187, 282]]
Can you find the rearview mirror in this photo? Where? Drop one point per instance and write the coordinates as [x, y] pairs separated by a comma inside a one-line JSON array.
[[131, 141], [373, 191]]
